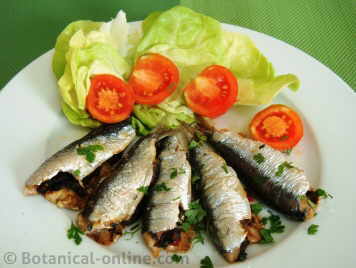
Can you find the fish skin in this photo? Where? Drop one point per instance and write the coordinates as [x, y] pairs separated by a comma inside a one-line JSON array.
[[114, 138], [117, 197], [225, 200], [281, 192], [164, 208]]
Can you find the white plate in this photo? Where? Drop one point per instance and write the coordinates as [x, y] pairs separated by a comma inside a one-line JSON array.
[[32, 128]]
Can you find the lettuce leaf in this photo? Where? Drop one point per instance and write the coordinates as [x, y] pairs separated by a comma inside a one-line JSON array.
[[62, 43], [194, 41], [78, 118], [257, 81], [87, 53]]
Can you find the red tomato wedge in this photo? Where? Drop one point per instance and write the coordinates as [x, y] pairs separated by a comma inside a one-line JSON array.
[[278, 126], [212, 92], [110, 99], [153, 79]]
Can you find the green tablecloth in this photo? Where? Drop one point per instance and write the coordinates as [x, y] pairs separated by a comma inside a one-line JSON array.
[[324, 29]]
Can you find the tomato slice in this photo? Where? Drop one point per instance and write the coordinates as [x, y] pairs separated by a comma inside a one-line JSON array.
[[278, 126], [110, 99], [212, 92], [153, 79]]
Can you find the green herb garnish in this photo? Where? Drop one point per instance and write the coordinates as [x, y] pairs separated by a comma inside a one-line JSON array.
[[185, 226], [282, 167], [195, 213], [74, 233], [256, 208], [161, 187], [259, 158], [176, 258], [89, 151], [322, 193], [266, 236], [199, 140], [276, 226], [313, 229], [224, 167], [132, 231], [143, 189], [194, 217], [177, 198], [201, 137], [140, 128], [198, 238], [193, 144], [76, 172], [206, 262], [311, 204], [175, 172]]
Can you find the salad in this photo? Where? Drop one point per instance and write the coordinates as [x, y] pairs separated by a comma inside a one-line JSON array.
[[179, 64]]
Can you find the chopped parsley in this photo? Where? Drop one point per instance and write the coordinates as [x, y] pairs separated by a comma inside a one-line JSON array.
[[193, 144], [194, 217], [175, 172], [195, 213], [74, 233], [177, 198], [266, 236], [224, 167], [322, 193], [199, 140], [313, 229], [256, 208], [89, 151], [185, 226], [282, 167], [176, 258], [276, 226], [76, 172], [206, 262], [311, 204], [140, 128], [161, 187], [143, 189], [259, 158], [198, 238], [200, 137], [132, 231]]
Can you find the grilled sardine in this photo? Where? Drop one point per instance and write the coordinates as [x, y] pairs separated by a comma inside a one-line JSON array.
[[225, 200], [63, 179], [112, 207], [166, 208], [266, 171]]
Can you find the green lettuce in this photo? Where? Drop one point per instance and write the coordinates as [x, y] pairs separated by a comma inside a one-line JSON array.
[[194, 41], [62, 43], [191, 40], [88, 51], [256, 77]]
